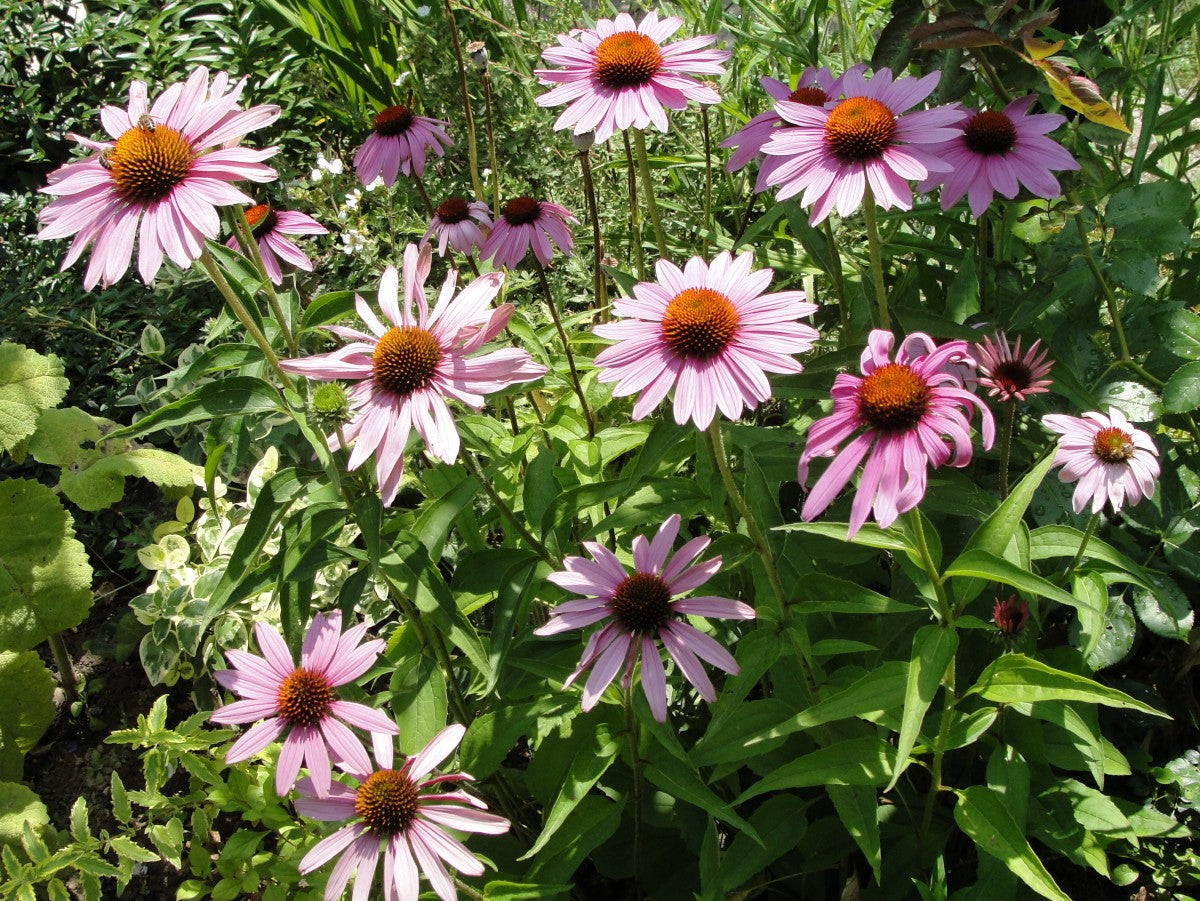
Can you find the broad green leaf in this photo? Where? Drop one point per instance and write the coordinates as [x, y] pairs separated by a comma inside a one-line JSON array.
[[933, 652], [1166, 610], [45, 578], [1091, 809], [79, 820], [1181, 393], [981, 814], [855, 761], [1063, 541], [726, 741], [1015, 679], [26, 708], [19, 807], [235, 396], [980, 564], [492, 735], [168, 839], [418, 704], [1118, 629], [588, 826], [328, 309], [1151, 216], [1090, 588], [102, 483], [437, 517], [29, 383], [820, 593], [685, 785], [858, 808], [870, 535], [1133, 399], [781, 823]]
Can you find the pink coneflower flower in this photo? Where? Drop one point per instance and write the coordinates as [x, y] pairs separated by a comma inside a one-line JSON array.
[[301, 699], [1009, 375], [408, 813], [1108, 457], [452, 224], [997, 153], [269, 226], [833, 154], [398, 142], [523, 222], [710, 332], [168, 167], [619, 75], [407, 367], [1010, 615], [909, 414], [640, 606]]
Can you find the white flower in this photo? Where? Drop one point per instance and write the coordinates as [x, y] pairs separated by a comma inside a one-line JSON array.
[[316, 175], [422, 11], [376, 183]]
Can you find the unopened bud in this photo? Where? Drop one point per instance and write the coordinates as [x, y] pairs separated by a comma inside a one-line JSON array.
[[329, 406], [1010, 615], [583, 142], [477, 50]]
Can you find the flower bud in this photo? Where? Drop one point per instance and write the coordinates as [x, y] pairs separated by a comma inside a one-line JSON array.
[[477, 50], [584, 141], [1010, 615], [329, 407]]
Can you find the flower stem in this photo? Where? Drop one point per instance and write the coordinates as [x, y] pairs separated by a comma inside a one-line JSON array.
[[66, 670], [873, 245], [599, 282], [562, 334], [839, 284], [491, 139], [939, 588], [737, 238], [472, 152], [638, 789], [477, 470], [1083, 543], [429, 207], [707, 178], [247, 235], [1006, 430], [939, 751], [635, 218], [845, 29], [639, 139]]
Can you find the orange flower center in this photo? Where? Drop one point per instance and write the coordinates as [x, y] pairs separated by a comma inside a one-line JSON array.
[[386, 802], [699, 323], [859, 129], [147, 161], [990, 134], [642, 604], [892, 399], [521, 211], [1112, 445], [626, 59], [395, 120], [261, 218], [405, 359], [305, 697], [809, 96], [453, 210]]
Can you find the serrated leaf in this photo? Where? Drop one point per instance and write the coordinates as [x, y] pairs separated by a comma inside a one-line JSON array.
[[121, 807], [26, 708], [79, 820], [19, 806], [29, 383], [1166, 610], [131, 850], [1181, 393]]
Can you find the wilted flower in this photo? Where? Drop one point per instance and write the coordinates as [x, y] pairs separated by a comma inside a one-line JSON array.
[[1108, 457]]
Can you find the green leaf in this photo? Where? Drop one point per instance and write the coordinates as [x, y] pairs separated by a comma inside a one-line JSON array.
[[102, 483], [29, 383], [128, 848], [820, 593], [682, 783], [121, 808], [234, 396], [523, 891], [328, 309], [981, 814], [79, 821], [1063, 541], [982, 565], [870, 535], [418, 704], [168, 839], [19, 806], [1150, 216], [492, 735], [45, 578], [26, 708], [1166, 610], [588, 826], [781, 823], [933, 652], [855, 761], [1116, 635], [1133, 399], [1016, 679], [858, 809], [1181, 393]]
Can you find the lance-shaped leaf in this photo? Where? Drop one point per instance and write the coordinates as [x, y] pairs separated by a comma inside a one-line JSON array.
[[1080, 94]]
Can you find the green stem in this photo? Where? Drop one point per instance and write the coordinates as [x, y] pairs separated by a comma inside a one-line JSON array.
[[876, 251], [425, 198], [1087, 536], [737, 238], [989, 74], [562, 334], [599, 282], [507, 512], [247, 239], [491, 138], [639, 139], [635, 218], [939, 588], [472, 151], [1006, 430], [468, 891], [981, 258], [939, 751], [66, 670], [638, 790], [839, 284], [707, 178], [845, 29]]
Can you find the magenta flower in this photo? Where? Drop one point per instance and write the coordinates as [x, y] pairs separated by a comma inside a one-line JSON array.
[[398, 141], [523, 222], [1009, 375], [833, 154], [167, 168], [710, 332], [452, 224], [909, 414], [620, 75], [408, 367], [640, 607], [997, 153], [301, 699], [270, 226], [394, 808], [1108, 457]]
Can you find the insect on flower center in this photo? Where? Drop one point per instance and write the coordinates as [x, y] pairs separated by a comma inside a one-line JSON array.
[[148, 161], [387, 802], [626, 59], [1112, 445], [305, 697], [521, 211], [453, 210], [811, 95], [990, 133], [261, 218], [699, 323], [642, 603], [395, 120], [859, 130], [405, 359], [892, 399]]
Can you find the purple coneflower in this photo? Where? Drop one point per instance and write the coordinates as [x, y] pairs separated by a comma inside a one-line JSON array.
[[1006, 373], [710, 332], [1010, 615], [167, 168], [620, 74], [301, 699], [998, 152], [407, 367], [396, 810], [398, 141], [640, 607], [1110, 459], [910, 414], [523, 222], [453, 225], [269, 226], [834, 154]]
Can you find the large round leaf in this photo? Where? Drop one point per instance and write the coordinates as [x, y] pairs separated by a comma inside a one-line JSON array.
[[29, 383]]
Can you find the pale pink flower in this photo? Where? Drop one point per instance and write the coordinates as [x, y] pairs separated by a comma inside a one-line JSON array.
[[167, 168], [621, 75], [998, 152], [408, 366], [710, 332], [833, 153], [269, 226], [640, 606], [301, 699], [452, 224], [1110, 459], [407, 813], [523, 222], [1009, 375], [398, 142], [909, 415]]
